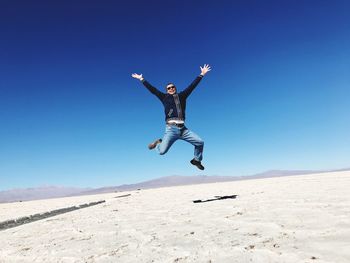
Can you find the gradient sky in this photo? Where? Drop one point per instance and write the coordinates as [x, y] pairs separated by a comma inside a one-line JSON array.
[[277, 96]]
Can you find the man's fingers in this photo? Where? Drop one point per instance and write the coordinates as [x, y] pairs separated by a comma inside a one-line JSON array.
[[205, 68], [136, 76]]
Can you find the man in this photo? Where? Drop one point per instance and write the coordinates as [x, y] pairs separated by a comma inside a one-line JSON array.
[[174, 107]]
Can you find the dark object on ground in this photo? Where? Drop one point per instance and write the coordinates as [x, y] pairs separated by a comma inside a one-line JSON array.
[[122, 196], [216, 198], [197, 163], [28, 219], [153, 145]]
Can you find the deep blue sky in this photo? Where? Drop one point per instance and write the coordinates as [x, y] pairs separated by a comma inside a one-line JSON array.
[[277, 96]]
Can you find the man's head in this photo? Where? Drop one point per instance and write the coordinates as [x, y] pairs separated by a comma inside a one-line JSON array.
[[170, 88]]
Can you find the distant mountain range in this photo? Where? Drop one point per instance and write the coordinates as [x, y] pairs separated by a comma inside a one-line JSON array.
[[17, 195], [43, 192]]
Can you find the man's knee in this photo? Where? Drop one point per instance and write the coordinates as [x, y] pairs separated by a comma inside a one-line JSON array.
[[200, 143], [162, 151]]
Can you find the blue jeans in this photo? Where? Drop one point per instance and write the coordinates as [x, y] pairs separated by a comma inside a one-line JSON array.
[[173, 133]]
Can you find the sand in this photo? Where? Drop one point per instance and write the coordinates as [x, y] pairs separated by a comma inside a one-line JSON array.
[[302, 218]]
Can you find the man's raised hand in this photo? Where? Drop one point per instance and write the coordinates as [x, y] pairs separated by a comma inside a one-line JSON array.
[[205, 69], [137, 76]]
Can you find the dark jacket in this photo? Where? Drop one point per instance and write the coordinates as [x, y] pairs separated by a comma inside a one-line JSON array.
[[174, 105]]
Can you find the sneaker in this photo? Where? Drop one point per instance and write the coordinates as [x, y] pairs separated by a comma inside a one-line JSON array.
[[197, 163], [153, 145]]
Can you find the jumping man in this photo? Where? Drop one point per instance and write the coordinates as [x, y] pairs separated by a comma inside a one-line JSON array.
[[174, 108]]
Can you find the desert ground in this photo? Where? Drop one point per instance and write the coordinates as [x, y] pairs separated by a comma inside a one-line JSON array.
[[304, 218]]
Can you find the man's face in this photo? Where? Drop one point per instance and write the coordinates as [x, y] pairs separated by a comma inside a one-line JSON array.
[[171, 89]]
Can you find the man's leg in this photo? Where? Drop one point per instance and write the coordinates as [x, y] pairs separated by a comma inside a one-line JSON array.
[[171, 135], [196, 141]]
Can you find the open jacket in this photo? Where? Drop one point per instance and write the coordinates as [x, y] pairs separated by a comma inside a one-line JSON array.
[[174, 105]]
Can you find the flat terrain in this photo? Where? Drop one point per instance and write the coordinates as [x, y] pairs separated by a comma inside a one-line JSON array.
[[288, 219]]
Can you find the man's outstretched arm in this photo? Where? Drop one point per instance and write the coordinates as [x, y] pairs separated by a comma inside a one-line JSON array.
[[204, 70], [152, 89]]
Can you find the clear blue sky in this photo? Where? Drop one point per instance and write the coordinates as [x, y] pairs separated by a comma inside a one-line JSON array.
[[277, 96]]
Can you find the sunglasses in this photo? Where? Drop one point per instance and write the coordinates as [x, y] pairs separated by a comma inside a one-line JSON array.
[[171, 87]]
